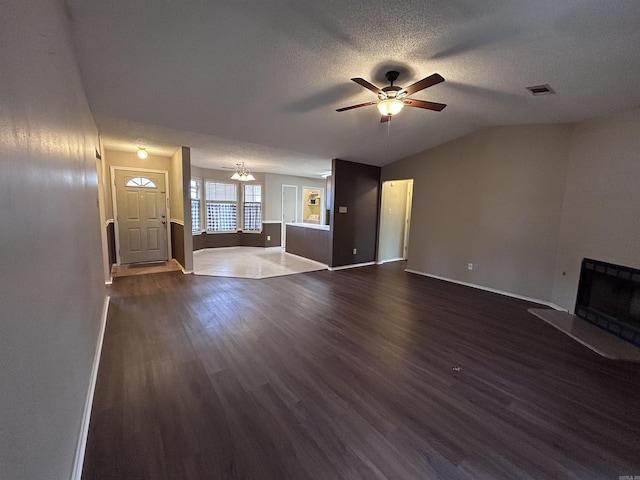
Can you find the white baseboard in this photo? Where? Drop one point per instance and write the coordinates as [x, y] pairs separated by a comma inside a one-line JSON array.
[[389, 260], [76, 474], [489, 289], [355, 265]]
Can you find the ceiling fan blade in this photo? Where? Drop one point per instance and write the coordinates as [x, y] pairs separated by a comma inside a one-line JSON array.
[[424, 83], [409, 102], [385, 118], [356, 106], [365, 84]]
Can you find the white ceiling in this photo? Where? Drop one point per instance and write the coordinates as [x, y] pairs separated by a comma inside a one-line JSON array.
[[259, 81]]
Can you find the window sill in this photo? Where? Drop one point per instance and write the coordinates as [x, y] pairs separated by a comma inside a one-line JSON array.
[[210, 232]]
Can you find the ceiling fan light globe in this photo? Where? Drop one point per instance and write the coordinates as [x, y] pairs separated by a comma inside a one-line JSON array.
[[250, 177], [390, 107], [235, 176]]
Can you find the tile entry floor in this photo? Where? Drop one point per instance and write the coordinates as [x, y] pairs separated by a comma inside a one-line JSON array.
[[144, 268], [251, 262]]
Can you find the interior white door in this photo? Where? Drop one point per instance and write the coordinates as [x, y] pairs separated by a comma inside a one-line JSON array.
[[141, 216], [407, 221], [394, 221], [289, 208]]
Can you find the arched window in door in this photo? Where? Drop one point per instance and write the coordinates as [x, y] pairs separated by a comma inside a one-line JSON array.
[[141, 182]]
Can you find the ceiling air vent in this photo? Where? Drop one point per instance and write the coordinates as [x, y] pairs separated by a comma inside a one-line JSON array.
[[541, 90]]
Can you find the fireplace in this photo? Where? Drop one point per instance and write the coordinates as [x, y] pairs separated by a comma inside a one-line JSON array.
[[609, 297]]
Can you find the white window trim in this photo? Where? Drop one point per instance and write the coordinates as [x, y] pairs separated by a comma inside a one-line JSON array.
[[261, 207], [239, 206], [201, 211], [204, 206]]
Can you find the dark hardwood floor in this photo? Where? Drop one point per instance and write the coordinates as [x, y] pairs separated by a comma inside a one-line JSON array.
[[370, 373]]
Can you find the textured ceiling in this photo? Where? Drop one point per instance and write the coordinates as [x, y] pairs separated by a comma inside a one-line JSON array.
[[260, 81]]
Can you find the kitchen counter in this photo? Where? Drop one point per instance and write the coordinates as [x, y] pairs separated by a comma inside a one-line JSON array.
[[309, 225]]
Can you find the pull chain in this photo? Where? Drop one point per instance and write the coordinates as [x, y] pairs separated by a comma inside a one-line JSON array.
[[389, 133]]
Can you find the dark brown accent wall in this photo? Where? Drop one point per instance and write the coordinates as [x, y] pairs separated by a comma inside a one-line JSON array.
[[310, 243], [111, 242], [274, 231], [177, 242], [240, 239], [357, 187], [214, 240]]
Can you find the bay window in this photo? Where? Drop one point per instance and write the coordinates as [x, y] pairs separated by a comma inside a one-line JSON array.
[[196, 186], [252, 207], [221, 206]]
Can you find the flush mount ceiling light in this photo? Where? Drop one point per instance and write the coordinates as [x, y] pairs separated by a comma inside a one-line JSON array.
[[142, 153], [242, 174]]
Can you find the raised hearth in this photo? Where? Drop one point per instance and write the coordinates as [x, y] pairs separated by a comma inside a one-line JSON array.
[[598, 340]]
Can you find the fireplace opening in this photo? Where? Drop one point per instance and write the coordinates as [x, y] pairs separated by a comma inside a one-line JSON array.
[[609, 297]]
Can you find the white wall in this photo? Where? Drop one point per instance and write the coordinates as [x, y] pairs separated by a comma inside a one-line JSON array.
[[272, 184], [526, 204], [52, 283], [181, 201], [492, 198], [116, 158], [222, 175], [176, 190], [601, 210], [273, 193]]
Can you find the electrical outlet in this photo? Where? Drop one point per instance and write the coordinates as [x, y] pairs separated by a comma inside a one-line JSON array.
[[470, 266], [268, 238], [355, 250]]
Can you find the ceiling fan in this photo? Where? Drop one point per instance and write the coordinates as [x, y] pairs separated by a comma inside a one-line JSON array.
[[392, 99]]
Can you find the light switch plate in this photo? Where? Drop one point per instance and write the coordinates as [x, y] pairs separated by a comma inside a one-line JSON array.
[[342, 209]]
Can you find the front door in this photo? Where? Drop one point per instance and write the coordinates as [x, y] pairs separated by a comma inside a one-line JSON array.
[[141, 201]]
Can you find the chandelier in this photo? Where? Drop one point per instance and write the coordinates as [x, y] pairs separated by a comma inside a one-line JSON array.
[[242, 173]]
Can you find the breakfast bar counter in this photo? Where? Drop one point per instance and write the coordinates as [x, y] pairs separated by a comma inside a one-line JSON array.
[[309, 240]]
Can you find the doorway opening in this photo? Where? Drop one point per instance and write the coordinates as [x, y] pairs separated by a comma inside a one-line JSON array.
[[313, 205], [289, 209], [395, 220]]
